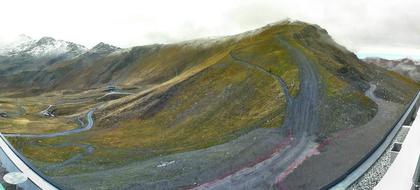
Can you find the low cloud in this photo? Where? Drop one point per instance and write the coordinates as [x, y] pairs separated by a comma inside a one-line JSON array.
[[357, 24]]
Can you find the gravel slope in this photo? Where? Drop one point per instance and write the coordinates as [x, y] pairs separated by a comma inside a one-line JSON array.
[[344, 148], [372, 177], [302, 120], [232, 164]]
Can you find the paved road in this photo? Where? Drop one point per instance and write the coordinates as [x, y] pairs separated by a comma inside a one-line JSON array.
[[114, 93], [89, 125], [364, 167], [301, 122], [370, 93]]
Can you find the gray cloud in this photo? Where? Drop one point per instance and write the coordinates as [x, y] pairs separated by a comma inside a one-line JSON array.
[[358, 24]]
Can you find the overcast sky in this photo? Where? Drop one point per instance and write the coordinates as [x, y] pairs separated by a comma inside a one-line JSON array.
[[374, 26]]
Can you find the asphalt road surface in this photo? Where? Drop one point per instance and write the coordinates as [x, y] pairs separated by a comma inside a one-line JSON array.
[[63, 133]]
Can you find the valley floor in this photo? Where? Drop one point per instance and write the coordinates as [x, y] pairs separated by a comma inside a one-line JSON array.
[[283, 111], [244, 155], [264, 158]]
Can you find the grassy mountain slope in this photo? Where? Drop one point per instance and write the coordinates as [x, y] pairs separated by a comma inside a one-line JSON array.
[[198, 94]]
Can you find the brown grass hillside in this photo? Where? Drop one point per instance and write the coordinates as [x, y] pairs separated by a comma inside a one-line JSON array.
[[196, 94]]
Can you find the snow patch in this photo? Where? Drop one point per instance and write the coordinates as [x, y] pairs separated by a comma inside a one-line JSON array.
[[164, 164], [45, 46], [216, 40]]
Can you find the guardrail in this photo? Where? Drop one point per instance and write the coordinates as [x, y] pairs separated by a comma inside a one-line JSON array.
[[416, 177], [351, 175], [13, 161]]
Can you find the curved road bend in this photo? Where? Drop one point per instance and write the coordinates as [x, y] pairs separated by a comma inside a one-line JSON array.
[[302, 121], [281, 82], [89, 125], [365, 166]]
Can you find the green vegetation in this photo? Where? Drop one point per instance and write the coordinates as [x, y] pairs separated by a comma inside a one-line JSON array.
[[50, 154], [190, 96], [24, 117], [207, 108], [267, 53]]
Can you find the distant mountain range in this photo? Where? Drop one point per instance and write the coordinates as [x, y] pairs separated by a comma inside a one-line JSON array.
[[406, 66], [50, 47], [45, 46], [27, 54], [207, 109]]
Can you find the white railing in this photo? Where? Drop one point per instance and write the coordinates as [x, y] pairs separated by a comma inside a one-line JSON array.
[[13, 161], [402, 172], [370, 158]]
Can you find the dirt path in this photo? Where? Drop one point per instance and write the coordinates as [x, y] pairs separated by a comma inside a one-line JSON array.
[[363, 168], [281, 82], [351, 143], [88, 149], [301, 122]]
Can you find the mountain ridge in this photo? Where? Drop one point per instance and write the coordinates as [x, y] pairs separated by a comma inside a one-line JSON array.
[[213, 106], [45, 46], [405, 66]]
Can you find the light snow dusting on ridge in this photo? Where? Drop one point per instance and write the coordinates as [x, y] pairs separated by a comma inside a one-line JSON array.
[[211, 41], [45, 46], [20, 43]]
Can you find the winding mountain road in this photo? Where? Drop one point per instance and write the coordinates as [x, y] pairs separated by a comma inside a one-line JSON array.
[[88, 150], [281, 82], [89, 125], [384, 110], [301, 122]]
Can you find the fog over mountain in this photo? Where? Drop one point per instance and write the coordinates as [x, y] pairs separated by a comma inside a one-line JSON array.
[[362, 26], [206, 95], [406, 67]]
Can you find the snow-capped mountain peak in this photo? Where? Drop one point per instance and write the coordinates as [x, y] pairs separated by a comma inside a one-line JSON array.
[[46, 46], [103, 48], [45, 40], [50, 46], [19, 43]]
